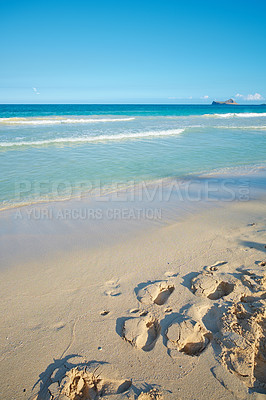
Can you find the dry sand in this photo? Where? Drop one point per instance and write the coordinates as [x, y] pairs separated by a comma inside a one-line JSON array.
[[177, 312]]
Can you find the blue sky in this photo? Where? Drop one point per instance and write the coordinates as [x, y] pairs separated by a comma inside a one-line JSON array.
[[107, 51]]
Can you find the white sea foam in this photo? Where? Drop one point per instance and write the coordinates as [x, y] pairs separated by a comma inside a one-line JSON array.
[[235, 115], [100, 138], [58, 121], [254, 127]]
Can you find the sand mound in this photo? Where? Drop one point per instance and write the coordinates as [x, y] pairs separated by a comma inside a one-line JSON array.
[[153, 394], [80, 384]]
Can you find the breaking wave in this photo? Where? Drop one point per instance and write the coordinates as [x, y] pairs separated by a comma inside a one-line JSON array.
[[251, 127], [235, 115], [58, 121], [100, 138]]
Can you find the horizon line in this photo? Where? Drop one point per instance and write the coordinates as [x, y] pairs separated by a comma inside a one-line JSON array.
[[140, 104]]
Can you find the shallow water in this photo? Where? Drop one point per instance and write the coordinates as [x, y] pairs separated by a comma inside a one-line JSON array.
[[57, 151]]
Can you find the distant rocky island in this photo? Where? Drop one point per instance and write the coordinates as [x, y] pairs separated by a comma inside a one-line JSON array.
[[227, 102]]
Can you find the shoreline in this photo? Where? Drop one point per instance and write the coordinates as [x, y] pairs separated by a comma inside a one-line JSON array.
[[115, 216], [128, 187]]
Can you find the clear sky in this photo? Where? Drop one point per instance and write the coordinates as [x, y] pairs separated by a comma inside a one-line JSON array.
[[132, 51]]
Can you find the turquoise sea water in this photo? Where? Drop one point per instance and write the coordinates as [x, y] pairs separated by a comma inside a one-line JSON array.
[[54, 151]]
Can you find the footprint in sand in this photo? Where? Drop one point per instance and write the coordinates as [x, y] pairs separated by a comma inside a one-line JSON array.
[[255, 280], [188, 336], [83, 385], [243, 342], [240, 329], [141, 333], [143, 330], [156, 293], [112, 288], [213, 287]]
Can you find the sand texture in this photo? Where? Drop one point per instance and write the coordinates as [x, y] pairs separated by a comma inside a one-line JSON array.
[[174, 313]]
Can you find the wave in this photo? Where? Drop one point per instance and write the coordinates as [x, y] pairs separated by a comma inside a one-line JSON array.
[[235, 115], [236, 171], [57, 121], [255, 127], [100, 138]]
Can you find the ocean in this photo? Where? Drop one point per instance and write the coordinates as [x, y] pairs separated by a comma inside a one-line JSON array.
[[51, 152]]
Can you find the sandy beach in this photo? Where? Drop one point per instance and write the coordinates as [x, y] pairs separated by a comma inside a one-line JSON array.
[[175, 310], [132, 200]]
